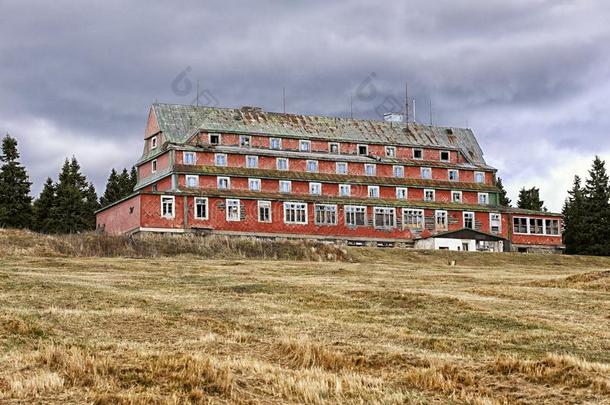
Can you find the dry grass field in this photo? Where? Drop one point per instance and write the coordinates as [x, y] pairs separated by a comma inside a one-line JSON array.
[[356, 326]]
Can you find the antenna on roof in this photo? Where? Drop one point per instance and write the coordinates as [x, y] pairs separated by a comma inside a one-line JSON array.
[[284, 98], [197, 93], [414, 117], [351, 106], [430, 112], [406, 102]]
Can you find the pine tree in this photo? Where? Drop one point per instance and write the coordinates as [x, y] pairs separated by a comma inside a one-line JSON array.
[[15, 200], [43, 206], [597, 210], [575, 235], [529, 199], [133, 178], [125, 183], [503, 199], [113, 190]]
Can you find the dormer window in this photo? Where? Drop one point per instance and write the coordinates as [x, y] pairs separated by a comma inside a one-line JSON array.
[[445, 155], [304, 146], [363, 150], [153, 142], [333, 148], [244, 140], [215, 139], [275, 143], [418, 154], [390, 151], [188, 158], [370, 169]]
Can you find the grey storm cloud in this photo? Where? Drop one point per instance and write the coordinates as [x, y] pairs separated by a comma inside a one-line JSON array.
[[530, 77]]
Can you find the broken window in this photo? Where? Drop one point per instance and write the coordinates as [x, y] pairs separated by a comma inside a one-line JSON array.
[[520, 225], [456, 197], [233, 210], [363, 150], [441, 220], [495, 222], [413, 218], [445, 155], [429, 195], [223, 183], [418, 154], [454, 175], [469, 220], [536, 226], [244, 140], [215, 139], [390, 151], [401, 193]]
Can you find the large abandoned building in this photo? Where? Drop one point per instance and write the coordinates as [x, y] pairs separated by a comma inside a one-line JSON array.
[[361, 182]]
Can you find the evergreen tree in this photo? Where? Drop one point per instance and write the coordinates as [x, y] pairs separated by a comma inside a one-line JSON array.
[[503, 199], [597, 210], [575, 234], [529, 199], [43, 206], [125, 183], [15, 200], [113, 190], [133, 178]]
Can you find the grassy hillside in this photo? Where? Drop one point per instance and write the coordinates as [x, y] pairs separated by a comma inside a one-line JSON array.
[[362, 325]]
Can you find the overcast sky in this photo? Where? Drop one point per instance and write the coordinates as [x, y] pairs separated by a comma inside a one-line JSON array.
[[529, 77]]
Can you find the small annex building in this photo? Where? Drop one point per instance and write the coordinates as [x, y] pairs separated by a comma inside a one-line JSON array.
[[467, 240]]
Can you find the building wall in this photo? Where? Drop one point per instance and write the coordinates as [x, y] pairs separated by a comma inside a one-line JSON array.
[[120, 218]]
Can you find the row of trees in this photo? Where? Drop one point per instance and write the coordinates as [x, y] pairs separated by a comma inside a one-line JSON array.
[[529, 199], [65, 206]]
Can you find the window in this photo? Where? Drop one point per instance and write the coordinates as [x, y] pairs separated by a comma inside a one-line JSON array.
[[384, 218], [429, 195], [453, 175], [399, 171], [370, 169], [373, 191], [479, 177], [341, 167], [215, 139], [251, 162], [468, 220], [401, 193], [220, 159], [315, 188], [551, 226], [390, 151], [325, 214], [201, 208], [153, 142], [413, 218], [285, 186], [244, 140], [483, 198], [333, 147], [536, 226], [254, 184], [520, 225], [426, 173], [418, 154], [363, 150], [295, 213], [440, 220], [355, 215], [264, 211], [495, 222], [223, 183], [345, 190], [312, 166], [153, 165], [275, 143], [192, 181], [304, 146], [188, 158], [233, 210], [168, 206], [445, 155], [281, 163], [456, 196]]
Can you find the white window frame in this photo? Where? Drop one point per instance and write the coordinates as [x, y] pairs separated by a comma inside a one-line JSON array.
[[267, 205], [440, 156], [347, 187], [255, 158], [373, 188], [400, 169], [426, 190], [354, 210], [153, 142], [391, 210], [311, 162], [207, 207], [527, 225], [303, 142], [313, 185], [330, 145], [423, 170], [416, 213], [288, 182], [163, 200], [190, 177], [441, 213], [486, 195], [333, 207], [256, 182], [220, 155], [338, 164], [457, 192], [457, 175], [464, 215], [279, 143], [371, 166], [229, 202], [479, 174], [277, 163], [211, 134], [243, 144], [295, 205], [388, 149], [421, 153], [184, 160], [558, 227], [492, 220], [402, 190], [219, 179], [358, 146], [153, 166]]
